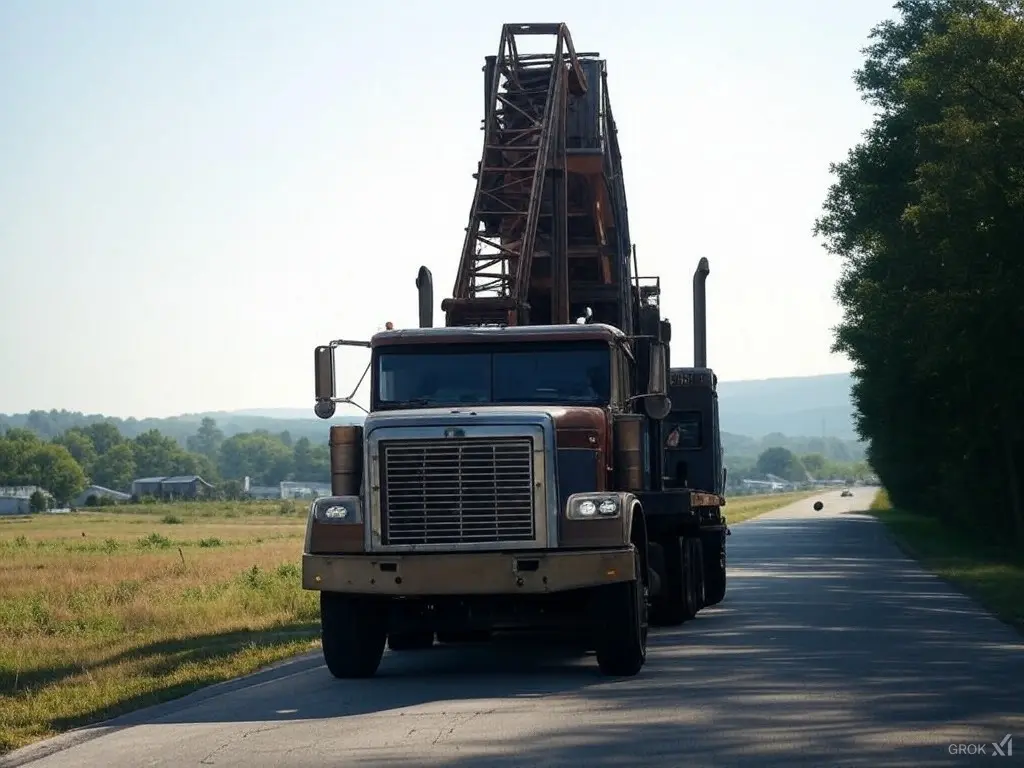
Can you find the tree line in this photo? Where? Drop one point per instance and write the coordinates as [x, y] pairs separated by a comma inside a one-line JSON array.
[[99, 454], [927, 216], [784, 463]]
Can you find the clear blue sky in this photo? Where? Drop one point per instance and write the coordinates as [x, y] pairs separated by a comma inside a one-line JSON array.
[[195, 193]]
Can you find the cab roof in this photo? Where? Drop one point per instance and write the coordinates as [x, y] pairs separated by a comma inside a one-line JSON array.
[[483, 334]]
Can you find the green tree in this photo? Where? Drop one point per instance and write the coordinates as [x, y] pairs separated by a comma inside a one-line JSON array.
[[115, 468], [154, 454], [80, 446], [37, 502], [207, 439], [104, 435], [927, 214], [311, 462], [52, 467], [22, 435], [781, 462], [13, 467], [257, 455], [814, 463]]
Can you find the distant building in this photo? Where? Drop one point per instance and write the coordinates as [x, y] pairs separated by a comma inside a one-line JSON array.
[[260, 491], [180, 487], [264, 491], [16, 500], [98, 492], [304, 489], [186, 487], [146, 486]]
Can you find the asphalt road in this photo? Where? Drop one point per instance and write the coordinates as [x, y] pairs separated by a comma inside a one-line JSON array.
[[831, 648]]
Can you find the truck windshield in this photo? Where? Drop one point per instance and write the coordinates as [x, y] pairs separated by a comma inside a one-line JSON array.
[[514, 373]]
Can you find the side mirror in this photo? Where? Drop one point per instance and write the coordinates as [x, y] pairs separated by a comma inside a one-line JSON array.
[[323, 372], [657, 406]]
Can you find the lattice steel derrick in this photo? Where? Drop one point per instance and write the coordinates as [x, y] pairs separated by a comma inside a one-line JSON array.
[[524, 140]]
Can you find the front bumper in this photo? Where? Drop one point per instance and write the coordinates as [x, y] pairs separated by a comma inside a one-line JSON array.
[[467, 573]]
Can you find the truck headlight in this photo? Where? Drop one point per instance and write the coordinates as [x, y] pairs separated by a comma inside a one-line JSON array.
[[337, 509], [591, 506]]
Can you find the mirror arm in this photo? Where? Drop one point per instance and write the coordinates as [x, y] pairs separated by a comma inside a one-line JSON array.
[[355, 389], [634, 398], [348, 400], [328, 412]]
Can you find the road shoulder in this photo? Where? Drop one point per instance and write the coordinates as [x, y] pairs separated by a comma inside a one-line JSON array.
[[991, 573]]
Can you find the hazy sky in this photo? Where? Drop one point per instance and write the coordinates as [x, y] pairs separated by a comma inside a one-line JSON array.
[[195, 193]]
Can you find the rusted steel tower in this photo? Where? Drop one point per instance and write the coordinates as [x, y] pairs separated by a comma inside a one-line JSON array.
[[548, 235]]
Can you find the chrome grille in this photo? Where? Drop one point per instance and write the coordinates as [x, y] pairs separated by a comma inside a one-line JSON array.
[[457, 491]]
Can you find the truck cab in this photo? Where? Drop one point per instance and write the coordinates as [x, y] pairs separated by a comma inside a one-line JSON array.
[[694, 456], [490, 487]]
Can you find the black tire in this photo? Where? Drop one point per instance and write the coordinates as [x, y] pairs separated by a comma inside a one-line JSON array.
[[621, 617], [714, 572], [352, 634], [410, 641], [667, 558]]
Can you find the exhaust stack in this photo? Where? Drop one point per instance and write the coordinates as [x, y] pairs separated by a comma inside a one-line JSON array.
[[425, 285], [700, 315]]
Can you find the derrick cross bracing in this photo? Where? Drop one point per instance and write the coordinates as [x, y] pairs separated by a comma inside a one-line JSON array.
[[547, 234]]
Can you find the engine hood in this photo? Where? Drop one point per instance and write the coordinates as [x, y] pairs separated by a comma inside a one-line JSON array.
[[562, 416]]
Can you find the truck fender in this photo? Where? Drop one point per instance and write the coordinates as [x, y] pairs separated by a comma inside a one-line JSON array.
[[635, 523]]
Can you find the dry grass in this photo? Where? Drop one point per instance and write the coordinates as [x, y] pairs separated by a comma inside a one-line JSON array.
[[990, 571], [102, 612], [740, 508]]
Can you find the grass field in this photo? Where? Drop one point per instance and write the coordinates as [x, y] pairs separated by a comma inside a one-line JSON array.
[[106, 611], [991, 572], [103, 612], [740, 508]]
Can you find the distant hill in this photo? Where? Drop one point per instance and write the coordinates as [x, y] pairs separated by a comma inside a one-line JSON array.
[[808, 414], [804, 405]]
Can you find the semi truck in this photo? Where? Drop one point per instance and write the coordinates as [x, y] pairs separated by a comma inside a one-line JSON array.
[[536, 463]]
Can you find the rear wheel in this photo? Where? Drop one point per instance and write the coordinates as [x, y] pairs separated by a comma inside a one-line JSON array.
[[353, 630], [667, 558], [621, 617], [714, 572]]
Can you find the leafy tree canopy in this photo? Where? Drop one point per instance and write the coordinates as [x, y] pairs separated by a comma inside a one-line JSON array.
[[927, 215]]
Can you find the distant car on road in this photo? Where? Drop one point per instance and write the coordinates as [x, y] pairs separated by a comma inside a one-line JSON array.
[[846, 492]]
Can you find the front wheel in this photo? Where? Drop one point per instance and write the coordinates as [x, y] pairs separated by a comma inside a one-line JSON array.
[[693, 577], [621, 614], [353, 630]]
